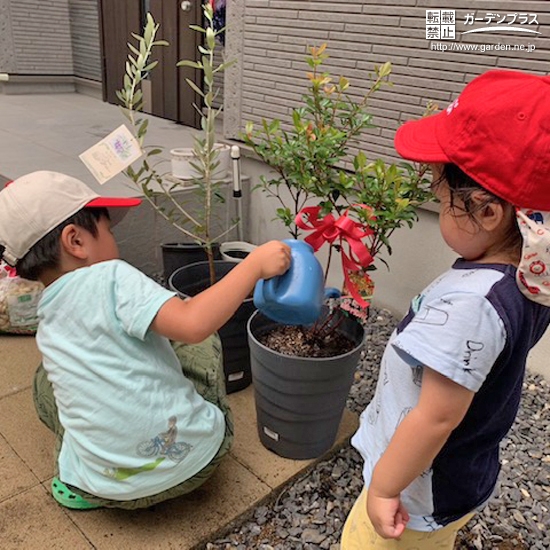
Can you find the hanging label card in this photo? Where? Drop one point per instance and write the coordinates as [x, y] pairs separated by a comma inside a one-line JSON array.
[[112, 154]]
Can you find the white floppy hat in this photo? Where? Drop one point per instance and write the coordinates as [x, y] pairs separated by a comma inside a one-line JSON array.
[[34, 204]]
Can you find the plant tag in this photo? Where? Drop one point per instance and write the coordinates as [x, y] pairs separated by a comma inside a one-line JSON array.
[[112, 154], [235, 376], [270, 433]]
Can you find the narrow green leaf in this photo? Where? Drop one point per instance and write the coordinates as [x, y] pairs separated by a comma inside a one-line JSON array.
[[187, 63], [194, 87], [150, 67], [133, 48]]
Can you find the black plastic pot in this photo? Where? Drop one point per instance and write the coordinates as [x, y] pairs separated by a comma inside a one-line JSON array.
[[176, 255], [300, 400], [192, 279]]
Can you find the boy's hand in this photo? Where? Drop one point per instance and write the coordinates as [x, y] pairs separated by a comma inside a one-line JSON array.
[[270, 259], [388, 516], [194, 319]]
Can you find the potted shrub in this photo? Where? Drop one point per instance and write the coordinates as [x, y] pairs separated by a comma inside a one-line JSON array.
[[169, 196], [300, 399]]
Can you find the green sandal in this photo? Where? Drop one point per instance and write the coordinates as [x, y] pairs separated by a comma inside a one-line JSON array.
[[67, 498]]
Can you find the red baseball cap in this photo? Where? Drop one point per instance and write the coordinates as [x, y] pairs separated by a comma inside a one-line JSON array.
[[497, 131], [34, 204]]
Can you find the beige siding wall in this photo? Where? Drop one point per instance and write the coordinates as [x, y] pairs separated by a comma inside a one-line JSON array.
[[50, 38], [85, 38], [41, 35], [270, 39], [359, 35]]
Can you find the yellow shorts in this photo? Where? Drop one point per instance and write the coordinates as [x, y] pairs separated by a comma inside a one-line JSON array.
[[359, 533]]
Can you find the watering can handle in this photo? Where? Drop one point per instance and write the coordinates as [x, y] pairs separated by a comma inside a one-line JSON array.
[[270, 288]]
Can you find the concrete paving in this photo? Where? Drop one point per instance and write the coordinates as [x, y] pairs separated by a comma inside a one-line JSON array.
[[49, 132]]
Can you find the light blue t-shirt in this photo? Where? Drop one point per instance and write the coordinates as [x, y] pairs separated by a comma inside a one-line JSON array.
[[134, 425]]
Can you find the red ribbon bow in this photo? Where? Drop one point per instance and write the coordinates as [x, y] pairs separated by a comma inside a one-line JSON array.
[[344, 229]]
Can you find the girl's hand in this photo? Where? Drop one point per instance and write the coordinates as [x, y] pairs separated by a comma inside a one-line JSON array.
[[388, 516], [420, 437]]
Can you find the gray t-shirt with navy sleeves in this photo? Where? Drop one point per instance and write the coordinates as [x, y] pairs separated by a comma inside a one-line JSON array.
[[474, 326]]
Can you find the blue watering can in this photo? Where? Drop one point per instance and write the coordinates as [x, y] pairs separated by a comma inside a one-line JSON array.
[[296, 297]]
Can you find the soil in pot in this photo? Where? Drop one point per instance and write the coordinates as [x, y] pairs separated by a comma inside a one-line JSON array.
[[305, 342]]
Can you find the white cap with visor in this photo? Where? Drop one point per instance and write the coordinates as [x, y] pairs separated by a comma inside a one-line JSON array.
[[34, 204]]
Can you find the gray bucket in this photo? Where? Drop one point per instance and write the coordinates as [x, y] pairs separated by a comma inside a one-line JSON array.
[[300, 400]]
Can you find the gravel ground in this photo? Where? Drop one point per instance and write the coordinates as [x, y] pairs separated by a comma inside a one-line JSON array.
[[310, 512]]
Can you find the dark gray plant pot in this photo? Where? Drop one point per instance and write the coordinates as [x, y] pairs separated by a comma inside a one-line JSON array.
[[300, 400], [192, 279], [176, 255]]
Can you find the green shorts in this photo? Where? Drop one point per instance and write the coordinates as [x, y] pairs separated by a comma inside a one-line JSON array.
[[202, 364]]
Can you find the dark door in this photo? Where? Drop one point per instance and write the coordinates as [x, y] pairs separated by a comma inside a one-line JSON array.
[[171, 96], [117, 21]]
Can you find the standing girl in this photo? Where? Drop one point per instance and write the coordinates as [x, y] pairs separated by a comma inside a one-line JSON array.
[[451, 375]]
